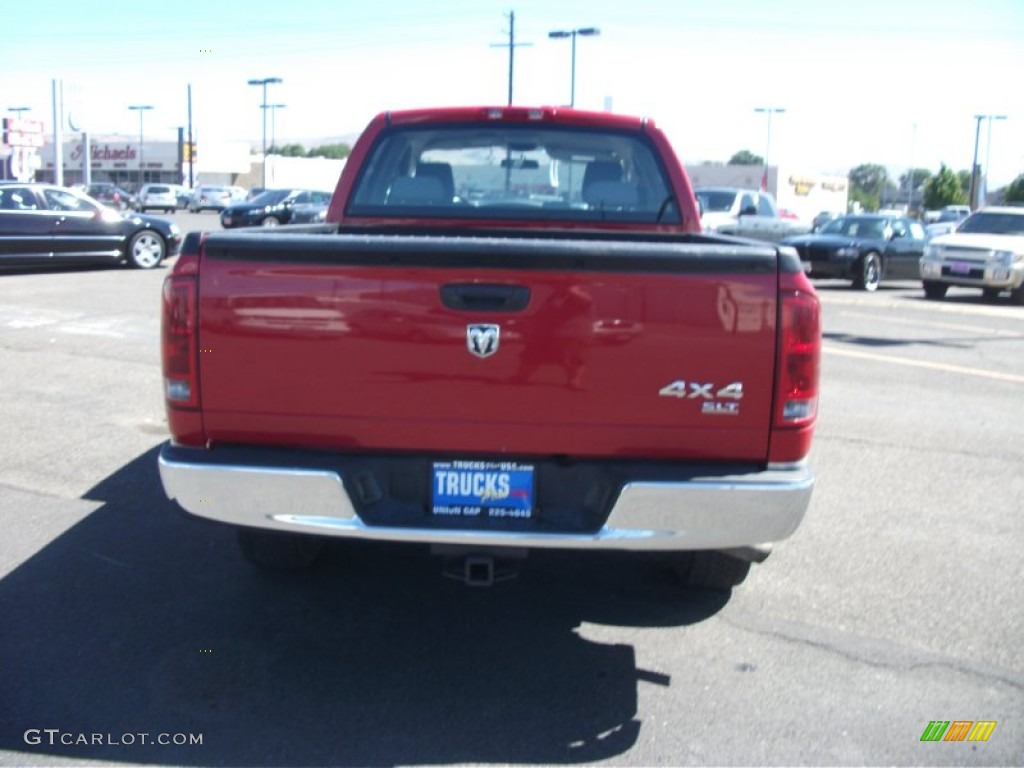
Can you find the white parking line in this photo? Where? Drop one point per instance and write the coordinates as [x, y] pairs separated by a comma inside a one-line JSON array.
[[945, 367], [947, 326], [875, 301]]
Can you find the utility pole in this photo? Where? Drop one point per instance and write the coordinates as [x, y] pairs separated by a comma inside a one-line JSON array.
[[511, 45]]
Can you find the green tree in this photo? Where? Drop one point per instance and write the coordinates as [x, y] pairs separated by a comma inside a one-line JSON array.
[[869, 184], [1015, 192], [746, 157], [965, 181], [921, 176], [943, 189], [332, 151], [287, 150]]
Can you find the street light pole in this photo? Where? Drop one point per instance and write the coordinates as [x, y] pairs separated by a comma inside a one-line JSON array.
[[768, 146], [988, 156], [141, 109], [265, 82], [973, 195], [19, 110], [910, 181], [559, 34], [273, 121]]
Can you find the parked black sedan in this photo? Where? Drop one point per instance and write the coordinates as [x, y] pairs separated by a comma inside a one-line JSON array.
[[863, 248], [270, 208], [47, 224]]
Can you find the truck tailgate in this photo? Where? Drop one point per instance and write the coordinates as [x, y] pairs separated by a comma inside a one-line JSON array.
[[468, 346]]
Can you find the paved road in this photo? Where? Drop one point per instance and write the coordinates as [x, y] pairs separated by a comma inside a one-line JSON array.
[[896, 603]]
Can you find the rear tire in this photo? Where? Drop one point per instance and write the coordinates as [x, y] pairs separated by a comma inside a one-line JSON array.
[[146, 249], [1017, 296], [870, 272], [715, 570], [933, 290], [990, 294], [278, 550]]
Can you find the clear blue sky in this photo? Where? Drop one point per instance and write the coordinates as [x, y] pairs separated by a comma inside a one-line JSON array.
[[887, 82]]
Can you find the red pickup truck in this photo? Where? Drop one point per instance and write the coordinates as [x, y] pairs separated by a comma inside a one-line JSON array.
[[509, 334]]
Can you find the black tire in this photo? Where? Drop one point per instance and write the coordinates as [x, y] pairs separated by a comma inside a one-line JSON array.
[[1017, 296], [933, 290], [869, 272], [711, 569], [146, 249], [277, 550], [990, 294]]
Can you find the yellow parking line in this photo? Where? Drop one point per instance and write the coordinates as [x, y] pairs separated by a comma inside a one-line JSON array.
[[995, 375]]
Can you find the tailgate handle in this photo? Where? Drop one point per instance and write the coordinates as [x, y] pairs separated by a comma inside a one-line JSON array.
[[477, 297]]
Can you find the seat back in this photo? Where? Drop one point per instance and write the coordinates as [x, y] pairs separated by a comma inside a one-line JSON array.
[[603, 186], [417, 190], [440, 171]]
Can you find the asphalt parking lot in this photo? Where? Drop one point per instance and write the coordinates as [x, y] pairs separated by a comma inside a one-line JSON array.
[[895, 604]]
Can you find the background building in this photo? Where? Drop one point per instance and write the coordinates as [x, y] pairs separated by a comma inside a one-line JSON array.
[[801, 192], [128, 163]]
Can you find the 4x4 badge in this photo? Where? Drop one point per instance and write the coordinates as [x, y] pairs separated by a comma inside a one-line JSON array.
[[482, 339]]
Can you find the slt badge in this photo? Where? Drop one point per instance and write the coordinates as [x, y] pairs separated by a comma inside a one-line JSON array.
[[482, 339]]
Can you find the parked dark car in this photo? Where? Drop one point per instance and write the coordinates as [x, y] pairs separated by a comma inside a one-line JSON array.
[[863, 248], [309, 213], [47, 224], [110, 195], [270, 208]]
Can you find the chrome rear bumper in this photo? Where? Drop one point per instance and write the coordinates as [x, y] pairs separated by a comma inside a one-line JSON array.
[[713, 512]]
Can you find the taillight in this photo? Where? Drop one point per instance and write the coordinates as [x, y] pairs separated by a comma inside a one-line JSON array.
[[179, 335], [796, 402]]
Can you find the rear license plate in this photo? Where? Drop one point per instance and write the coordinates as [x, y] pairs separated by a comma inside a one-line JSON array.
[[482, 489], [960, 268]]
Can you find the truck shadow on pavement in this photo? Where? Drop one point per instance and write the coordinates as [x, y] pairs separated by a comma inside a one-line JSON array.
[[141, 620]]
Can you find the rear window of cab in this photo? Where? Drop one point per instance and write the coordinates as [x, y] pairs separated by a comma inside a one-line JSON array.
[[489, 171]]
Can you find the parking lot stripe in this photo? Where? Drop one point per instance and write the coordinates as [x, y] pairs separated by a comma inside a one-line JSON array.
[[945, 367], [945, 326]]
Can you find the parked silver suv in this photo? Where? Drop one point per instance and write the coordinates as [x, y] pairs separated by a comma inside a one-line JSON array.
[[160, 196], [986, 251]]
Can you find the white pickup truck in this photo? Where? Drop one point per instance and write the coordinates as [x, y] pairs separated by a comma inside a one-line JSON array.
[[986, 251], [745, 213]]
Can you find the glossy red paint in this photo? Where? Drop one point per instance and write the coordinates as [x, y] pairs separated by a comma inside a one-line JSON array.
[[598, 364], [370, 359]]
